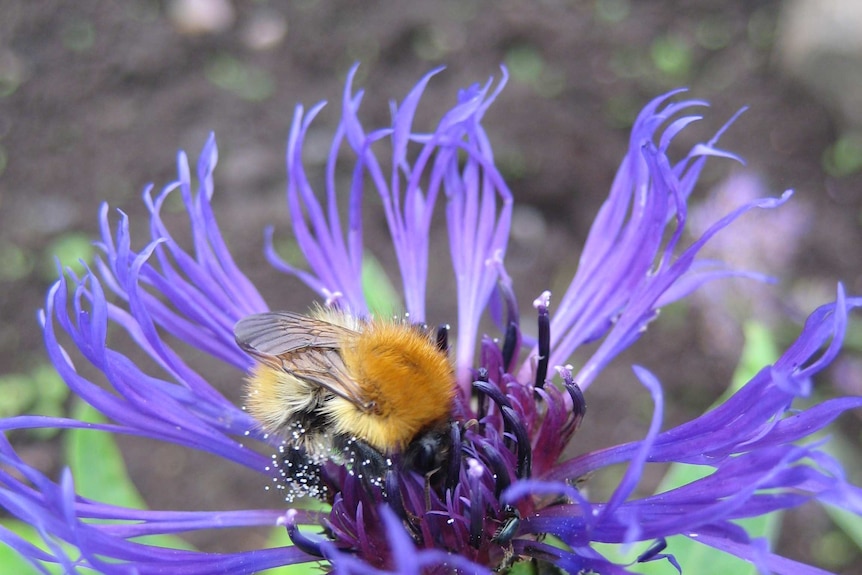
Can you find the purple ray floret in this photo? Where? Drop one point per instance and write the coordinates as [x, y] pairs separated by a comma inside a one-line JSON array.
[[503, 485]]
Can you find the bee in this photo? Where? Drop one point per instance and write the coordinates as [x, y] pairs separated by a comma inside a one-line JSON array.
[[352, 391]]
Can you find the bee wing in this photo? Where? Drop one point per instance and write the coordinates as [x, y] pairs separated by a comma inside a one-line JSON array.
[[278, 332], [305, 347], [325, 367]]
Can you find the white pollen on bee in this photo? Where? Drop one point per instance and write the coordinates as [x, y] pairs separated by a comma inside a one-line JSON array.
[[450, 521]]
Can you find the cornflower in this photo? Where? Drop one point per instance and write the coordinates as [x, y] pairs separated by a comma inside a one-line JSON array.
[[505, 494]]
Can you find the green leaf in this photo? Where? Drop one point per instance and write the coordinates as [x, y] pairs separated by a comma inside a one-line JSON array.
[[522, 568], [694, 557], [100, 472], [849, 522], [17, 394], [760, 350], [10, 559], [13, 562], [844, 450], [49, 383], [278, 537], [41, 392], [97, 464], [382, 297]]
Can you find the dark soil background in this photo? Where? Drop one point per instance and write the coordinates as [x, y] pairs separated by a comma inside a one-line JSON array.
[[97, 96]]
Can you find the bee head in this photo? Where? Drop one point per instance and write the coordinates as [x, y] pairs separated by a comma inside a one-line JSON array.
[[429, 451]]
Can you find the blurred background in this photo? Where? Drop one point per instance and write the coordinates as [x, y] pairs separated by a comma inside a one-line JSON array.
[[96, 97]]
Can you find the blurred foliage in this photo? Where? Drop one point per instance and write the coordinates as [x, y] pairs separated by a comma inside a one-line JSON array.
[[13, 562], [527, 65], [612, 11], [672, 55], [70, 249], [244, 80], [714, 32], [78, 35], [16, 262], [844, 157], [40, 392]]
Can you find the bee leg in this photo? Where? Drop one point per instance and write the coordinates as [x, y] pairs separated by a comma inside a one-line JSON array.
[[304, 474], [363, 460]]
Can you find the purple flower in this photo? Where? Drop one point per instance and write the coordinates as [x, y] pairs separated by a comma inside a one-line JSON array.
[[503, 489]]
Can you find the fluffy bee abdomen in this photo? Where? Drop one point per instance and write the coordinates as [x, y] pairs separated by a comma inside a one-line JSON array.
[[276, 398]]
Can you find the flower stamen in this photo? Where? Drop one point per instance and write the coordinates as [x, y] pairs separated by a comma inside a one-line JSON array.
[[544, 344], [512, 424], [479, 386], [475, 471], [453, 473], [510, 345], [443, 337], [579, 403], [499, 470]]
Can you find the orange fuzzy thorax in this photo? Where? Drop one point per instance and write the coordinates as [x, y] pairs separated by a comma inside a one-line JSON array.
[[409, 380]]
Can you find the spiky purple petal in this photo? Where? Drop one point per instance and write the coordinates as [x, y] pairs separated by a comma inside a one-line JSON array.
[[503, 491]]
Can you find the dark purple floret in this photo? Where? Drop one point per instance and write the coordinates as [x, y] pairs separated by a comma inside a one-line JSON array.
[[544, 340]]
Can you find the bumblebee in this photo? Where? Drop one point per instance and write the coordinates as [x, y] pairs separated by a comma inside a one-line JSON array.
[[349, 390]]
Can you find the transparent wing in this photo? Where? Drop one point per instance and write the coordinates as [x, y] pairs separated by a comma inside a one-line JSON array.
[[277, 332], [304, 347]]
